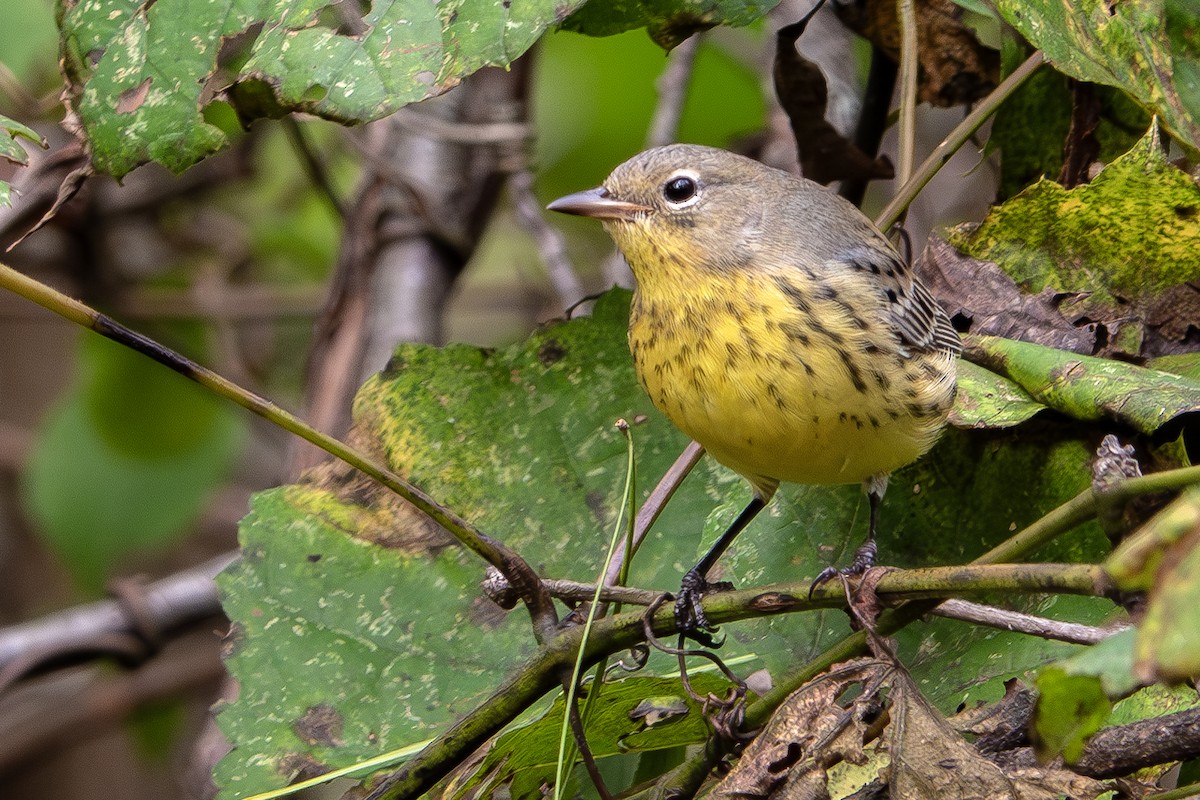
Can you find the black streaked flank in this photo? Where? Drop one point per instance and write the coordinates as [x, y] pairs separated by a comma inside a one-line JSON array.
[[855, 374], [795, 294]]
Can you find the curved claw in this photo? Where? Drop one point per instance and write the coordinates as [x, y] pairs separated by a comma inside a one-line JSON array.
[[689, 613], [822, 578], [864, 559]]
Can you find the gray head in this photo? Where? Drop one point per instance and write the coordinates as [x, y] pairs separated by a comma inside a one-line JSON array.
[[716, 206]]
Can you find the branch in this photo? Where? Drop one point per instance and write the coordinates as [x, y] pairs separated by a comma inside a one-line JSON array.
[[515, 568], [1122, 749], [672, 86], [74, 634], [540, 673], [549, 240], [895, 585], [1006, 620]]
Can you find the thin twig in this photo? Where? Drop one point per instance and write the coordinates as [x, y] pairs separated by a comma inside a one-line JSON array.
[[313, 166], [1018, 622], [654, 505], [581, 743], [672, 86], [957, 138], [549, 240]]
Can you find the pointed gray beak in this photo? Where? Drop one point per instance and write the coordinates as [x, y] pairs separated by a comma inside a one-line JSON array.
[[597, 203]]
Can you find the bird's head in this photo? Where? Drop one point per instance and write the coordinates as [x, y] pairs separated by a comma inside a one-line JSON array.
[[698, 204]]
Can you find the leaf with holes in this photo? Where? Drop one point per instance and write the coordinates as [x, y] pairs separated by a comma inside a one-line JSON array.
[[141, 74]]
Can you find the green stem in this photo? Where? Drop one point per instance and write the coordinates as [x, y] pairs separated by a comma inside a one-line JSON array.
[[1179, 793], [610, 635], [907, 14], [511, 565], [957, 138], [1167, 481], [1066, 516], [1085, 506], [1076, 511]]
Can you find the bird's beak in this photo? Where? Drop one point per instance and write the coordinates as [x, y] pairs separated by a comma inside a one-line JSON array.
[[597, 203]]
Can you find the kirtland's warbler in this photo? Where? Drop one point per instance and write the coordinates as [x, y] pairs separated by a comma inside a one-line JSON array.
[[776, 326]]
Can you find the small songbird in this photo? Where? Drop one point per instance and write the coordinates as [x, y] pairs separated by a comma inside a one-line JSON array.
[[776, 326]]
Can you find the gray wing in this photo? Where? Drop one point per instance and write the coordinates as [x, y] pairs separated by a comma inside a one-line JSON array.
[[923, 325]]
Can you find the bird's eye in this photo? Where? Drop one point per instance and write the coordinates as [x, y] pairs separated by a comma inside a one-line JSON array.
[[680, 189]]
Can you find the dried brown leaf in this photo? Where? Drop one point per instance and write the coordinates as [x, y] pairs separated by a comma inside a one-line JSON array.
[[919, 753], [825, 156], [809, 733], [955, 67], [991, 303], [930, 759]]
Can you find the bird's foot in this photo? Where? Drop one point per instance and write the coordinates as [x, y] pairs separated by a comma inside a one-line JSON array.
[[864, 559], [689, 613]]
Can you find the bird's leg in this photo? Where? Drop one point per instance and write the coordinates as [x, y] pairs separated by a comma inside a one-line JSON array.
[[864, 556], [689, 615]]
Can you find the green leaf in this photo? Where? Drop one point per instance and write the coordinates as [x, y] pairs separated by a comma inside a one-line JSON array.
[[9, 149], [1031, 128], [1088, 388], [1153, 701], [341, 646], [1135, 565], [986, 400], [142, 73], [1185, 364], [347, 603], [1070, 708], [1120, 250], [1167, 647], [629, 716], [126, 460], [1099, 686], [1148, 48], [13, 152], [1163, 559], [1110, 661], [668, 22]]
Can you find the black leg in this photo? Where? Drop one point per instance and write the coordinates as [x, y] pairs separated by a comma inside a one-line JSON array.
[[688, 613], [864, 556]]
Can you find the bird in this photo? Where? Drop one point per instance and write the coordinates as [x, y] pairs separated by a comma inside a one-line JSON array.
[[775, 325]]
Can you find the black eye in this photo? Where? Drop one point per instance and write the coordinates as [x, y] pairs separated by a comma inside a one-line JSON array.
[[678, 190]]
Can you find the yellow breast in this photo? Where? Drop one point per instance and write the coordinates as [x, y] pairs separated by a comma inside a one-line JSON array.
[[783, 377]]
